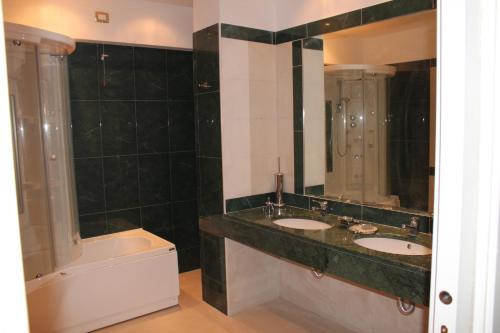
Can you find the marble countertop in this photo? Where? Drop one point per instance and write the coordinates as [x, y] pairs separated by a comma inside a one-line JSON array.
[[340, 238], [331, 251]]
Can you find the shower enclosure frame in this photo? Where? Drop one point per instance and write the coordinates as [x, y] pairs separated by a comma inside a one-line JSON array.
[[41, 123]]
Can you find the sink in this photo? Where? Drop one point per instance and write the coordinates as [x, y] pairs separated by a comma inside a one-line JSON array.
[[396, 246], [303, 224]]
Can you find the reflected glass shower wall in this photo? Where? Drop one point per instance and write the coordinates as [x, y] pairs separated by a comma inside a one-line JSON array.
[[39, 103], [357, 111]]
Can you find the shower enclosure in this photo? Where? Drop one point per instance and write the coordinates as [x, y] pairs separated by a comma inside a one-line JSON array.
[[39, 106], [64, 288], [356, 133]]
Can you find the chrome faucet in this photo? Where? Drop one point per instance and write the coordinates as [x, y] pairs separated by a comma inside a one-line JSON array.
[[412, 227], [323, 207], [269, 208]]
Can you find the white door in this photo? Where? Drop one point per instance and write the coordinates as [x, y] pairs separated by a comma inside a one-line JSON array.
[[465, 239]]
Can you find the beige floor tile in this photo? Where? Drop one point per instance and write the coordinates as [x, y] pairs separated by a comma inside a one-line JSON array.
[[195, 316]]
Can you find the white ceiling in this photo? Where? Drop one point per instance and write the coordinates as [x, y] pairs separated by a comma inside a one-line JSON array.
[[184, 3]]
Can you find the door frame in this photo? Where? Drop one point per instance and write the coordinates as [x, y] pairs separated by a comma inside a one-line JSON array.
[[465, 238]]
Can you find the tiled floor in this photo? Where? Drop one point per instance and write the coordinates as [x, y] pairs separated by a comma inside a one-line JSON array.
[[195, 316]]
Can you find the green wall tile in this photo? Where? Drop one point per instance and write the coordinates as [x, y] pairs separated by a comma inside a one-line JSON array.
[[245, 33]]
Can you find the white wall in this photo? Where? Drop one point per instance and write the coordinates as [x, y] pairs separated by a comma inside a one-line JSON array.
[[255, 13], [314, 117], [285, 113], [264, 270], [249, 117], [205, 13], [254, 277], [271, 14], [351, 305], [142, 22], [258, 14]]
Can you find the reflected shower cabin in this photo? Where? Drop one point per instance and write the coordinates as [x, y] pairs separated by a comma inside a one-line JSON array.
[[356, 130]]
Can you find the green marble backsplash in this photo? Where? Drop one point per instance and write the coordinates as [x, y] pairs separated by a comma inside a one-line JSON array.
[[372, 214]]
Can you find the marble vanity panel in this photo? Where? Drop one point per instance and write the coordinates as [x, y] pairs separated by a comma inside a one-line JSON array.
[[208, 120], [355, 307], [213, 271], [252, 277]]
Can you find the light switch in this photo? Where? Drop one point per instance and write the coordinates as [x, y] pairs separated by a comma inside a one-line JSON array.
[[102, 17]]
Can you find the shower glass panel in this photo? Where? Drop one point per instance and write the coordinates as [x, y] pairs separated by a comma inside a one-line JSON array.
[[358, 97], [58, 157], [39, 105], [32, 190]]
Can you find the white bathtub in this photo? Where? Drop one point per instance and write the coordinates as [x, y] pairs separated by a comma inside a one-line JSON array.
[[118, 277]]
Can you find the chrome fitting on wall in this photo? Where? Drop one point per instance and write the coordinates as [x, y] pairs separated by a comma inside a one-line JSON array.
[[405, 307], [316, 273]]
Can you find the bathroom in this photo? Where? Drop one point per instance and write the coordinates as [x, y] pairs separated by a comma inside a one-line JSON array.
[[235, 166]]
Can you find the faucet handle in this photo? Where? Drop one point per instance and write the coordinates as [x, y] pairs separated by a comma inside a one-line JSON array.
[[323, 205], [413, 223], [413, 226], [269, 209], [345, 220]]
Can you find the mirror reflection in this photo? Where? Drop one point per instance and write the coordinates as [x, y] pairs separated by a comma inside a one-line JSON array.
[[369, 114]]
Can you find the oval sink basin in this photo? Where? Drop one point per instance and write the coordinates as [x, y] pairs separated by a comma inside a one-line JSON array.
[[303, 224], [395, 246]]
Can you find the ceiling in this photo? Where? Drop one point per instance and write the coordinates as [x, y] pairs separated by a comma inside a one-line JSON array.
[[184, 3]]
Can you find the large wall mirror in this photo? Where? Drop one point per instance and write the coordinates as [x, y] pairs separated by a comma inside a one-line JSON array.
[[369, 113]]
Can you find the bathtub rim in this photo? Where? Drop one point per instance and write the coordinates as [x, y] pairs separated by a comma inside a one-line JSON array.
[[158, 247]]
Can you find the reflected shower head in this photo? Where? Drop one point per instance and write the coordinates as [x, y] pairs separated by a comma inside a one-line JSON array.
[[340, 106]]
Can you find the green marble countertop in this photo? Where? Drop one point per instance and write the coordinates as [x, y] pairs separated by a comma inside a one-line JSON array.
[[340, 238], [331, 251]]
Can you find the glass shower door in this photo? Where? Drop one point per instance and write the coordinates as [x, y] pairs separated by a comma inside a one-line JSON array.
[[59, 157], [39, 101], [34, 216]]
